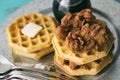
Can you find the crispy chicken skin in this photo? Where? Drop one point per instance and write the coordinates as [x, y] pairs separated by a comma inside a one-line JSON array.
[[82, 31]]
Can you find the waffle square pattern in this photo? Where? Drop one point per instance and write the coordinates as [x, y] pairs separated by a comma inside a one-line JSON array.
[[42, 40], [84, 58], [91, 68]]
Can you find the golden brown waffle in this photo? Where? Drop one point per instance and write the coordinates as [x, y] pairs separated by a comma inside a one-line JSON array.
[[91, 68], [42, 40], [35, 55], [84, 58]]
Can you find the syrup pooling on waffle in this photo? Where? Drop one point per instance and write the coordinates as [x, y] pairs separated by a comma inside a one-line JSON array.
[[40, 41], [73, 69]]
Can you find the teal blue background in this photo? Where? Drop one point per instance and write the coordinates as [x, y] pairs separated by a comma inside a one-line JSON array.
[[118, 0], [9, 6]]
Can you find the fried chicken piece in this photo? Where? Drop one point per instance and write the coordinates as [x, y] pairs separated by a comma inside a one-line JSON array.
[[82, 31]]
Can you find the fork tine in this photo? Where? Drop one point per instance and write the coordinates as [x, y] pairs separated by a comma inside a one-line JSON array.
[[5, 77], [15, 78]]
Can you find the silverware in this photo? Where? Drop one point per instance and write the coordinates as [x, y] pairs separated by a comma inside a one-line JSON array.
[[26, 73], [9, 72]]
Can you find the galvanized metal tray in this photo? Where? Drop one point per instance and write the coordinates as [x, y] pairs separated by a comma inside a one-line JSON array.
[[111, 72]]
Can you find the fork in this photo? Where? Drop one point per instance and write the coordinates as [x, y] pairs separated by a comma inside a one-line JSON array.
[[9, 72], [25, 73], [32, 72]]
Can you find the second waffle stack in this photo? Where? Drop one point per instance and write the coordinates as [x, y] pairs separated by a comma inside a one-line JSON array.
[[82, 44]]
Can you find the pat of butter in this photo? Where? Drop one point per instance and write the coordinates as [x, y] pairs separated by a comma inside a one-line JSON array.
[[31, 29]]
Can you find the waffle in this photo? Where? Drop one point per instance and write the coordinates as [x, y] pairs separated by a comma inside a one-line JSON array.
[[84, 58], [35, 55], [42, 40], [91, 68]]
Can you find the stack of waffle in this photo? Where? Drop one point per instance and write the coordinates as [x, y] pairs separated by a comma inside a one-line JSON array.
[[82, 44], [32, 47]]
